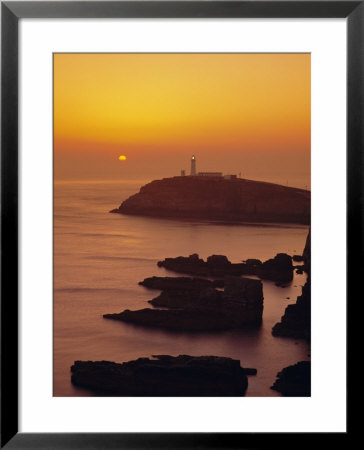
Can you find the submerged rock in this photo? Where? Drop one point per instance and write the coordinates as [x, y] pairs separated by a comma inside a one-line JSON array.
[[294, 381], [181, 376], [219, 199], [240, 304]]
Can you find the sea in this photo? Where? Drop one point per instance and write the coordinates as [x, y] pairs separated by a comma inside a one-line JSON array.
[[99, 259]]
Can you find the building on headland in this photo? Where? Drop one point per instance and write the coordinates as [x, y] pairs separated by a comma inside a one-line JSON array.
[[207, 174], [210, 174], [193, 166]]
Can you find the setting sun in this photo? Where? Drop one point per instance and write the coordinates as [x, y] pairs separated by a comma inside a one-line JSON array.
[[122, 158]]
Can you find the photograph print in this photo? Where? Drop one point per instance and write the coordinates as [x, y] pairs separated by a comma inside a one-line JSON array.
[[182, 209]]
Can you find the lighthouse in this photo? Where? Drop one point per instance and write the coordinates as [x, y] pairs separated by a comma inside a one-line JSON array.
[[193, 165]]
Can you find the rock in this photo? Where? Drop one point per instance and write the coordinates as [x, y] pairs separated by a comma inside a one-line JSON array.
[[218, 261], [180, 320], [182, 299], [239, 305], [253, 262], [218, 283], [297, 258], [192, 265], [294, 381], [243, 293], [296, 321], [219, 199], [249, 371], [307, 253], [181, 376], [176, 283], [279, 268]]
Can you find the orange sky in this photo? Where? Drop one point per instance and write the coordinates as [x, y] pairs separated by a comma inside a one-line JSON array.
[[247, 113]]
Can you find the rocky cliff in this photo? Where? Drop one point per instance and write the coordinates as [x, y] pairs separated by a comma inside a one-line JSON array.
[[219, 199]]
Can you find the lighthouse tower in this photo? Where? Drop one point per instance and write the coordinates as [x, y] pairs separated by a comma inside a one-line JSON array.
[[193, 165]]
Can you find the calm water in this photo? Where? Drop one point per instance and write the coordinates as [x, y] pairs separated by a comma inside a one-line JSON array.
[[100, 258]]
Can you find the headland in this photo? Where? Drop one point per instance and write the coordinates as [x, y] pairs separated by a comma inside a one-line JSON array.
[[219, 198]]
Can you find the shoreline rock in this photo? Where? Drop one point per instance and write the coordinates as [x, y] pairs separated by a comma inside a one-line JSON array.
[[296, 320], [180, 376], [240, 304], [279, 268], [295, 380]]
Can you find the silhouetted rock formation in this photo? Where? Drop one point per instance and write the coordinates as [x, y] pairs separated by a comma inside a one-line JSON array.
[[294, 381], [181, 376], [206, 309], [219, 199], [279, 268], [253, 262], [296, 321], [182, 299], [307, 253]]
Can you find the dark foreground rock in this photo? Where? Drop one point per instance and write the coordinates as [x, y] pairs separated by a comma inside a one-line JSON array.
[[240, 304], [294, 381], [279, 268], [219, 199], [181, 376]]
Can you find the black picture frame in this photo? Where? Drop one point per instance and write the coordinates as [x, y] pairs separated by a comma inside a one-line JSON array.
[[11, 13]]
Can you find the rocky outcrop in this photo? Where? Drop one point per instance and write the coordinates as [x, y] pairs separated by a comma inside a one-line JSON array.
[[278, 269], [253, 262], [307, 253], [206, 309], [296, 321], [194, 299], [181, 376], [219, 199], [294, 381], [214, 266]]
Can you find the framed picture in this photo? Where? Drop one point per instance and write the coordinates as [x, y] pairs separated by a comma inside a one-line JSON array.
[[203, 128]]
